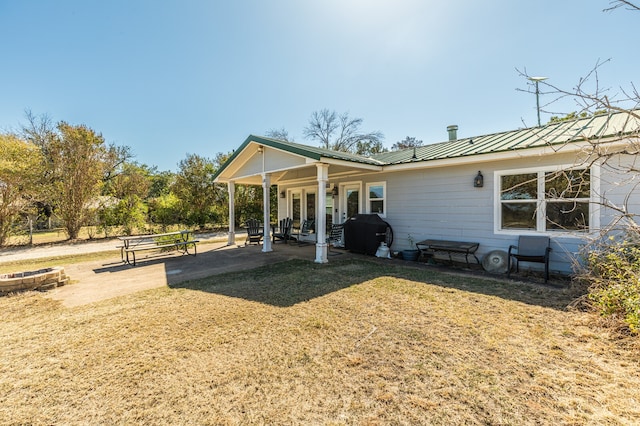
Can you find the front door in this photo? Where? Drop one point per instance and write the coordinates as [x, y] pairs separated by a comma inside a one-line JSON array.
[[350, 202]]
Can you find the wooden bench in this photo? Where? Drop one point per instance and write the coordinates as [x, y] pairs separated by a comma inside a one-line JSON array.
[[432, 247], [179, 241]]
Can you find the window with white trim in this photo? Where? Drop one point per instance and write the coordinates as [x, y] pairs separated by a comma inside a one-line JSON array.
[[376, 198], [545, 200]]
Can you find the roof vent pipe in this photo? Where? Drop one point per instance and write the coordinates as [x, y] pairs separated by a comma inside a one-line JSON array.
[[453, 132]]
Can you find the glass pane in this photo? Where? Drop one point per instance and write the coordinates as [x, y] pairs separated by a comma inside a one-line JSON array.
[[353, 199], [518, 215], [567, 215], [377, 206], [311, 206], [519, 187], [567, 184], [295, 209], [376, 191]]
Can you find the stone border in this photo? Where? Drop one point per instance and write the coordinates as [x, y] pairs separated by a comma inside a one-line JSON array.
[[41, 279]]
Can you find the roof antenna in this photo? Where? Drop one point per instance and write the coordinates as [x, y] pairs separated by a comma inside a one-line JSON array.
[[413, 157]]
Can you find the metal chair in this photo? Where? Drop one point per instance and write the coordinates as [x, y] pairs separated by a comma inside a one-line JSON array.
[[254, 232], [530, 249]]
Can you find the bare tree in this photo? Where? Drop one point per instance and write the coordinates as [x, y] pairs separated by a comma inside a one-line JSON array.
[[280, 134], [615, 4], [609, 263], [342, 133], [406, 143]]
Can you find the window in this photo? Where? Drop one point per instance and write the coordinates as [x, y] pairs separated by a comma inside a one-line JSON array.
[[376, 200], [545, 200]]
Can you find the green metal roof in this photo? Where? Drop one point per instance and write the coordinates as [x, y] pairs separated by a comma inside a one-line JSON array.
[[592, 128], [602, 126]]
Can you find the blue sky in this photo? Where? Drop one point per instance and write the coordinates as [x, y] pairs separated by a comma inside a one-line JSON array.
[[169, 77]]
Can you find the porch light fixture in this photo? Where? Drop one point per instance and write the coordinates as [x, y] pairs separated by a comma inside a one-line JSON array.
[[260, 149], [283, 194], [478, 181], [334, 191]]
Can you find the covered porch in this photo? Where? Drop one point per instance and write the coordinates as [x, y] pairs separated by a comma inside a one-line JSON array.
[[312, 184]]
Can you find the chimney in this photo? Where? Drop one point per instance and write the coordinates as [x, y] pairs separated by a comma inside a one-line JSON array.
[[453, 132]]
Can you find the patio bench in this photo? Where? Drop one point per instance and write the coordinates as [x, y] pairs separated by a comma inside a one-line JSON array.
[[179, 241], [432, 247]]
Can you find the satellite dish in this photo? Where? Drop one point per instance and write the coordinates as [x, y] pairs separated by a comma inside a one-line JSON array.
[[495, 262]]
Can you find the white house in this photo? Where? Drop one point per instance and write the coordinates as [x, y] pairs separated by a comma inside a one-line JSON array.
[[429, 191]]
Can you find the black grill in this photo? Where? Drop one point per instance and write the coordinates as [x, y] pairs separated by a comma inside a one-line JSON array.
[[363, 233]]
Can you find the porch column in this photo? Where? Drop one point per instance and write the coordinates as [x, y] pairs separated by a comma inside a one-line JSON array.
[[231, 189], [321, 214], [266, 220]]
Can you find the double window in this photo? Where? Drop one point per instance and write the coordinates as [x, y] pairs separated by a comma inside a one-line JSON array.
[[545, 200]]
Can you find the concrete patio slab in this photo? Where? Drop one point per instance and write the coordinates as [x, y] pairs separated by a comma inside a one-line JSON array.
[[100, 280]]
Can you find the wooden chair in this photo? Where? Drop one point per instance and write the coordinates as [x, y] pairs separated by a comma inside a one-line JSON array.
[[303, 234], [254, 232], [283, 231], [530, 248], [335, 238]]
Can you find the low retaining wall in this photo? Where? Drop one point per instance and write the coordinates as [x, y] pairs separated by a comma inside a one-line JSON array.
[[42, 279]]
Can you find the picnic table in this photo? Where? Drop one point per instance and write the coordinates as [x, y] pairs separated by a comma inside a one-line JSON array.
[[180, 240], [432, 247]]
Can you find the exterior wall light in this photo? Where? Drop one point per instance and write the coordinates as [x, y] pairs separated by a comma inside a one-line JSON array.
[[283, 194], [478, 181], [334, 191]]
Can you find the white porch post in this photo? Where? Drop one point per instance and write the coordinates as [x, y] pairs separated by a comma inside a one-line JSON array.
[[321, 214], [266, 186], [231, 188]]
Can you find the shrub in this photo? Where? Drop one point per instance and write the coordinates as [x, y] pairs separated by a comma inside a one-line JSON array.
[[613, 274]]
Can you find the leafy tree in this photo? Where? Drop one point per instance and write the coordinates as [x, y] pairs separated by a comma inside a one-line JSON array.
[[20, 165], [406, 143], [80, 161], [165, 209], [130, 187], [342, 133], [195, 187], [160, 182], [77, 162]]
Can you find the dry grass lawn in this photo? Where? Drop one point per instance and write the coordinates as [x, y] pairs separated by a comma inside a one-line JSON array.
[[351, 342]]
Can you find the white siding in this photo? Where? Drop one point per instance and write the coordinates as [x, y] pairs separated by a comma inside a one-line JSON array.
[[442, 203]]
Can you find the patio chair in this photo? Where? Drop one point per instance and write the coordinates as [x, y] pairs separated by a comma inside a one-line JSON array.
[[335, 237], [254, 232], [530, 249], [283, 231], [305, 234]]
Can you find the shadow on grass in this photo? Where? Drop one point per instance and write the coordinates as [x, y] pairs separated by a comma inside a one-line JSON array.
[[291, 282]]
